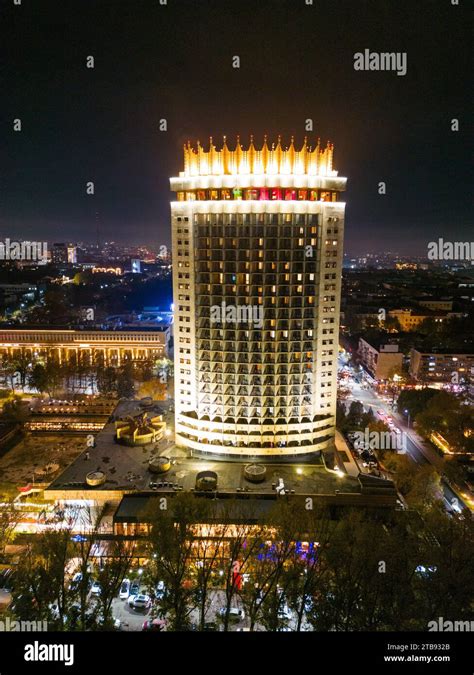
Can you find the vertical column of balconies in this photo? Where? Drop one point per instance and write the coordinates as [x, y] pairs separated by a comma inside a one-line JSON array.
[[184, 300], [330, 238]]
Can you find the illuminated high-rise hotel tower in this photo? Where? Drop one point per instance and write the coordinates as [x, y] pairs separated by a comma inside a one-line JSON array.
[[257, 255]]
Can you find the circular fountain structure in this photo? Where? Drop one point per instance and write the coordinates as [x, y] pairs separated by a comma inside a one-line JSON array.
[[140, 429]]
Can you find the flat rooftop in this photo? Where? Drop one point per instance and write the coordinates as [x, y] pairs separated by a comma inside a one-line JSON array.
[[126, 467]]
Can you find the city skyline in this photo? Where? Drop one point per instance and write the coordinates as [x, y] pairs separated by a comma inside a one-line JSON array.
[[87, 125]]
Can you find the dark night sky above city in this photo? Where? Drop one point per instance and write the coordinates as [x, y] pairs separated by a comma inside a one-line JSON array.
[[175, 62]]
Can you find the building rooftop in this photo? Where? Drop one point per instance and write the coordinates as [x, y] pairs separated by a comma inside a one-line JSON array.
[[133, 509], [126, 467], [136, 327], [275, 160], [444, 352]]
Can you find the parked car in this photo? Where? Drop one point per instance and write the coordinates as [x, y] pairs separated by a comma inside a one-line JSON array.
[[124, 589], [235, 613], [140, 601], [154, 625], [54, 610], [285, 613], [96, 588], [160, 590], [308, 605], [134, 588], [76, 581]]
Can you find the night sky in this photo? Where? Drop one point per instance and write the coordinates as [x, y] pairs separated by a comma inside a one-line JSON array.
[[175, 62]]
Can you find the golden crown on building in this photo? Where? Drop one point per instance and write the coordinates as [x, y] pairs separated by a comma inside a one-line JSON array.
[[275, 160]]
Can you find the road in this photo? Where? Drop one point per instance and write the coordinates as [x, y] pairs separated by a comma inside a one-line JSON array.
[[415, 447]]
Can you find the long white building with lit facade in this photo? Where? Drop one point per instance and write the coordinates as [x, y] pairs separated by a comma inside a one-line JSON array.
[[257, 257]]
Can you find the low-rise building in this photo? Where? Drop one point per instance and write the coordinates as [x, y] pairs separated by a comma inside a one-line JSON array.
[[442, 366], [111, 346], [411, 319], [380, 360], [435, 304]]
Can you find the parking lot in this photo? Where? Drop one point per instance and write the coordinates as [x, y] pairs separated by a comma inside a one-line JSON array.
[[130, 619]]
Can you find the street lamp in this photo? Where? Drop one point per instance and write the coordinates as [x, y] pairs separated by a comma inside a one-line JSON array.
[[407, 412]]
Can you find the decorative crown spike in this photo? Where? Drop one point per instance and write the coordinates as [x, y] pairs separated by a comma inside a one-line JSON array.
[[315, 161]]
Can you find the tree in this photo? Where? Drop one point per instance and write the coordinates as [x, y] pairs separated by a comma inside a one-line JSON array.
[[366, 586], [447, 588], [307, 570], [106, 380], [10, 516], [414, 400], [14, 411], [265, 595], [112, 573], [209, 552], [420, 485], [9, 371], [38, 378], [241, 548], [88, 520], [125, 382], [153, 388], [341, 416], [170, 542], [54, 309], [40, 589], [48, 377], [33, 593], [354, 415], [445, 413], [22, 364], [392, 324]]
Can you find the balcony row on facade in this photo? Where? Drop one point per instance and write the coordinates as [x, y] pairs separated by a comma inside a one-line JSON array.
[[256, 424], [206, 353], [266, 370], [239, 448], [250, 333], [242, 181], [232, 379]]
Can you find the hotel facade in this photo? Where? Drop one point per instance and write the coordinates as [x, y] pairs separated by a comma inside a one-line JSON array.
[[257, 256]]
